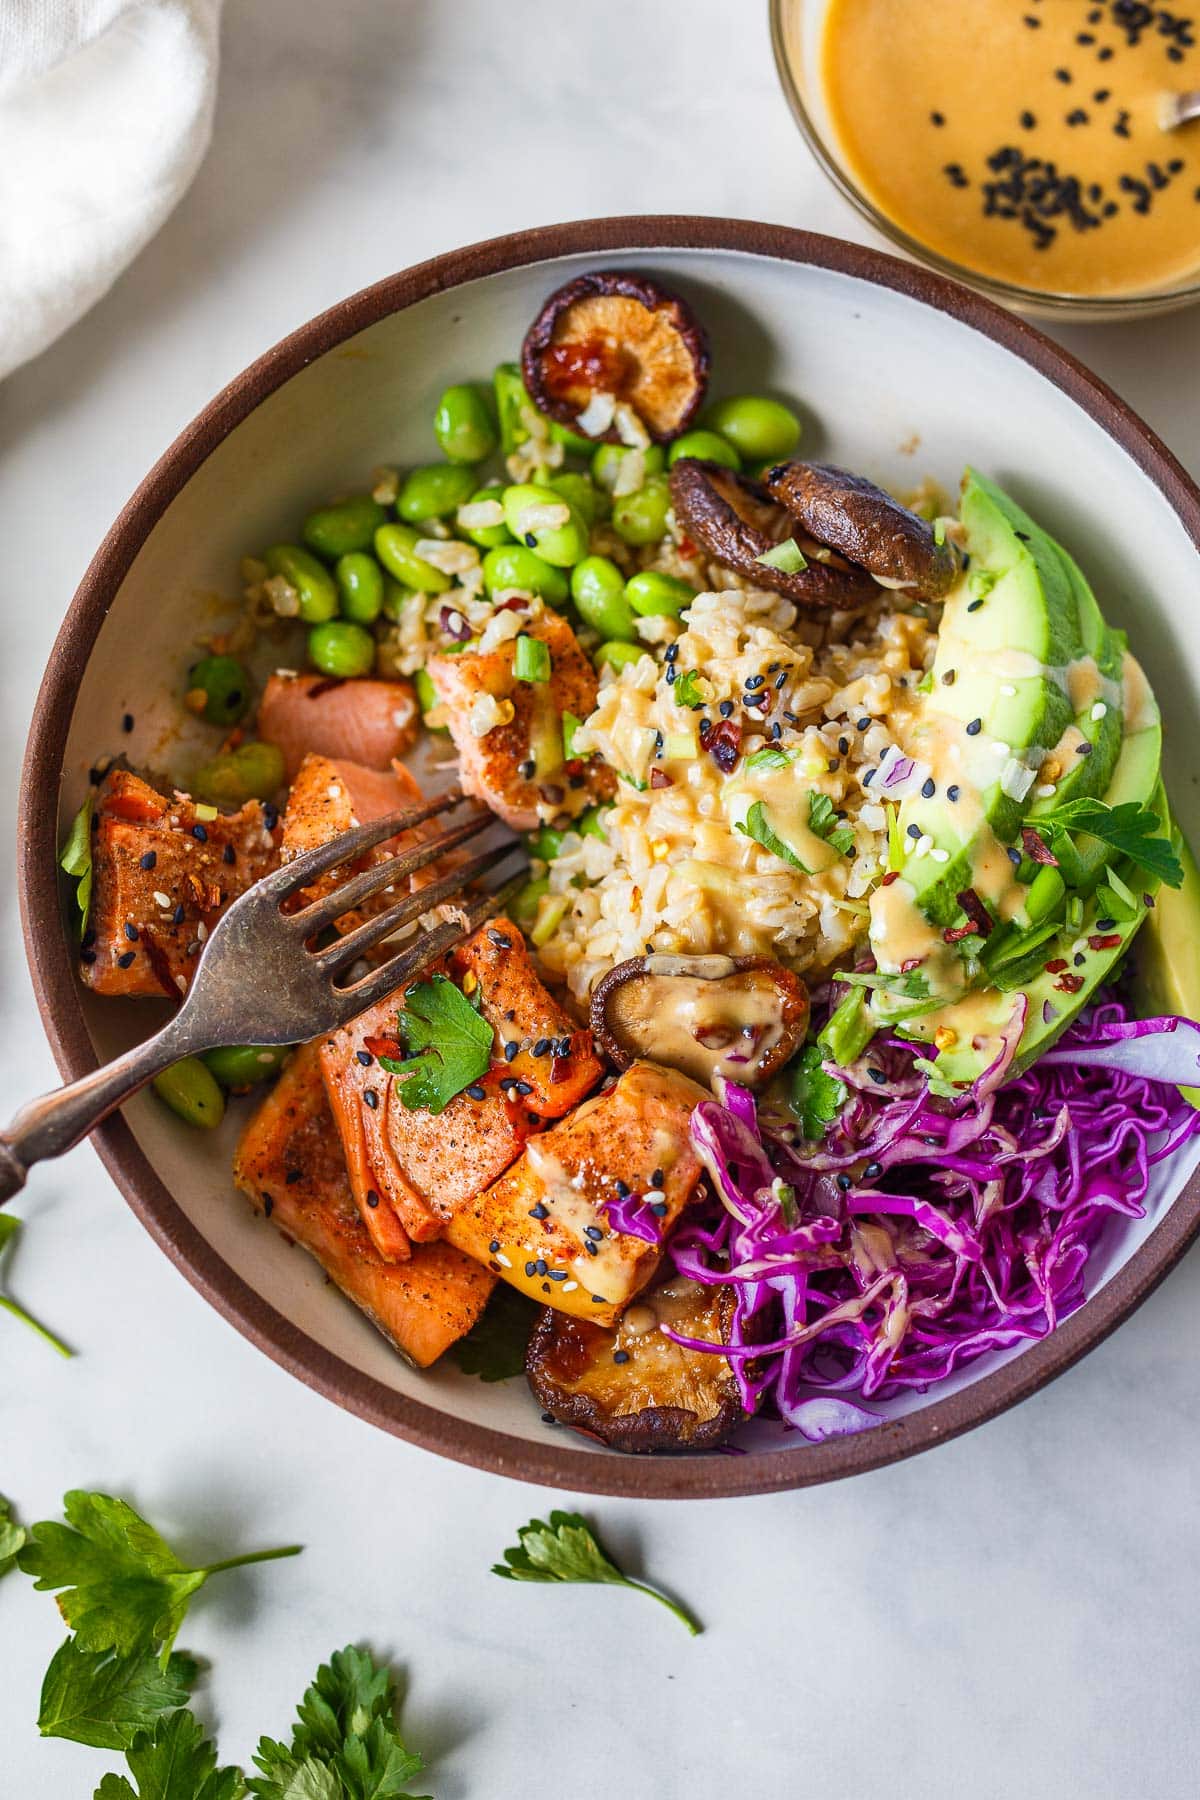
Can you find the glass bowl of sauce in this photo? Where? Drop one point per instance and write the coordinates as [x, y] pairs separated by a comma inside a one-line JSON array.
[[1018, 145]]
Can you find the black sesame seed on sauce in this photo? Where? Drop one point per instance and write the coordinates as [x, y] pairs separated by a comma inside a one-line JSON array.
[[974, 727], [148, 861], [928, 789], [620, 1356], [937, 118]]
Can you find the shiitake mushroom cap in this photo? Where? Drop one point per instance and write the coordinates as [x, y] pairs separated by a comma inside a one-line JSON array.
[[736, 521], [865, 525], [617, 333]]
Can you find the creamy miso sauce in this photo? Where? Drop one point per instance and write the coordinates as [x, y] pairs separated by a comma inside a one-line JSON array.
[[1022, 138]]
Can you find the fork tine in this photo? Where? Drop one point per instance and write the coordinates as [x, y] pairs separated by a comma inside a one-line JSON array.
[[340, 955], [381, 982], [370, 881], [292, 876]]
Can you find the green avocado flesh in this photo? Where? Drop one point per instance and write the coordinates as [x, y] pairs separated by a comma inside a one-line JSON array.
[[1026, 713], [1167, 963]]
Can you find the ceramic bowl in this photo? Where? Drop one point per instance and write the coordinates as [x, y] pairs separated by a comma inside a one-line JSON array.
[[899, 373]]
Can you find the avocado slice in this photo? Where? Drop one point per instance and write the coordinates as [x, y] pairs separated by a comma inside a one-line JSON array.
[[1010, 628], [1166, 968], [1098, 698]]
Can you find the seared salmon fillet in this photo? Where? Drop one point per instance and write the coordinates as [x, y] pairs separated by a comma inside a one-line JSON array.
[[290, 1166], [162, 875], [517, 766], [543, 1225], [366, 720], [329, 797]]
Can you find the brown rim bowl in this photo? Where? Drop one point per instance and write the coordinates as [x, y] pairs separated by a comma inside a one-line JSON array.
[[900, 373]]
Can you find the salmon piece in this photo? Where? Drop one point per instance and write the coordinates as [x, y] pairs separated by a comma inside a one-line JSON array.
[[366, 720], [523, 1013], [543, 1225], [162, 875], [409, 1167], [518, 766], [329, 797], [290, 1166]]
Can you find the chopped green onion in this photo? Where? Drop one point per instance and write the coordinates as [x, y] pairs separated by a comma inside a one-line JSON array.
[[787, 557], [570, 725], [531, 659]]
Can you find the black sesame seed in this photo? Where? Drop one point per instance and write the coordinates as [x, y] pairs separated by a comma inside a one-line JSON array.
[[620, 1356], [950, 677], [539, 1211], [725, 708], [527, 770], [541, 1048], [671, 653], [1083, 749], [1014, 857], [937, 118], [270, 816], [371, 1098], [123, 962], [845, 1184], [658, 1177], [177, 916], [498, 938], [127, 722], [148, 861], [511, 1050], [549, 1419], [558, 1274], [659, 1209], [599, 1300], [1101, 95], [1028, 121], [591, 1248], [1033, 24], [877, 1076], [531, 540], [293, 1176], [975, 727], [754, 682], [914, 831], [862, 725], [523, 1088], [364, 1057], [199, 833], [542, 1266], [975, 605], [475, 1092], [952, 792], [87, 956], [531, 1268], [869, 777], [1105, 924], [872, 1170], [928, 789], [229, 855], [131, 932], [776, 731], [781, 681], [622, 1188], [592, 1231], [1079, 959], [1063, 75], [269, 1203], [494, 1246]]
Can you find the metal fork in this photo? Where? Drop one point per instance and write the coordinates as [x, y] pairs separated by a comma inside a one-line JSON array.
[[258, 981]]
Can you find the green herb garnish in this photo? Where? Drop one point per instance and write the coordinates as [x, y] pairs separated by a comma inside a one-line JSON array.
[[566, 1550], [123, 1587], [770, 758], [531, 659], [76, 858], [177, 1762], [494, 1348], [816, 1097], [570, 725], [823, 823], [12, 1536], [345, 1744], [687, 689], [449, 1046], [94, 1697], [787, 557], [756, 827], [9, 1227], [1130, 829]]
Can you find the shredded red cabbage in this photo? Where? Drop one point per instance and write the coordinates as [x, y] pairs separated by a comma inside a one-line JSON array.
[[920, 1233]]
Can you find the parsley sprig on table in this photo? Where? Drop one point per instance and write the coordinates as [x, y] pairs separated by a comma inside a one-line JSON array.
[[176, 1762], [566, 1550], [12, 1536], [94, 1697], [449, 1045], [123, 1589], [9, 1227], [345, 1742]]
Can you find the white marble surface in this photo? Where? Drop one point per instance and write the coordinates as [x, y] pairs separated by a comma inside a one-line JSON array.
[[1014, 1614]]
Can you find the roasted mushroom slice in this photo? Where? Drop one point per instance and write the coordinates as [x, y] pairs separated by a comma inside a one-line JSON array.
[[609, 339], [633, 1388], [742, 1017], [853, 516], [737, 522]]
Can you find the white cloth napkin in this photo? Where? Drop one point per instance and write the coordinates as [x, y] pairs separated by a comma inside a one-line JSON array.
[[105, 114]]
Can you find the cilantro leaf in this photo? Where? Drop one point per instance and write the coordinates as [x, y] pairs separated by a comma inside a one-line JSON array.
[[756, 827], [1130, 829], [449, 1046], [566, 1550], [12, 1536], [174, 1762], [9, 1227], [96, 1698], [817, 1098], [345, 1744], [494, 1348], [687, 689], [124, 1588], [75, 858], [823, 821]]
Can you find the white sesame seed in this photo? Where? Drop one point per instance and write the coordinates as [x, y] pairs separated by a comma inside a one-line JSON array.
[[999, 749], [1045, 790], [201, 932], [923, 845], [940, 856], [503, 1260], [1099, 710], [1007, 688], [569, 1287], [161, 899], [654, 1197]]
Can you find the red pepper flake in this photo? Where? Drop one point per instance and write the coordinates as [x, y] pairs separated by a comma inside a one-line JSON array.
[[723, 743], [978, 914], [660, 779], [687, 548], [386, 1046], [1106, 941], [560, 1069], [1069, 984], [892, 875], [1036, 848], [911, 963], [1054, 968]]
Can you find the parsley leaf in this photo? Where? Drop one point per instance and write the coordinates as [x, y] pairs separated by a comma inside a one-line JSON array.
[[494, 1348], [345, 1744], [76, 857], [565, 1550], [96, 1698], [687, 689], [124, 1588], [816, 1098], [1129, 829], [756, 827], [12, 1536], [449, 1046], [9, 1227], [823, 821], [175, 1762]]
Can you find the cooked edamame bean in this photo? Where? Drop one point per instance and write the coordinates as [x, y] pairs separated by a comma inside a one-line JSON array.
[[561, 545], [654, 595], [591, 823], [708, 445], [225, 684], [334, 531], [525, 901], [312, 581], [606, 463], [463, 424], [341, 650], [191, 1091], [545, 842], [251, 772], [598, 590], [360, 584], [572, 441], [511, 400], [487, 536], [396, 597], [619, 656], [241, 1066], [427, 697], [513, 566], [757, 428], [395, 546], [434, 490], [641, 517], [579, 491]]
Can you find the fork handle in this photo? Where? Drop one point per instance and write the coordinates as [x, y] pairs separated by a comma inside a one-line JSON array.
[[58, 1120]]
